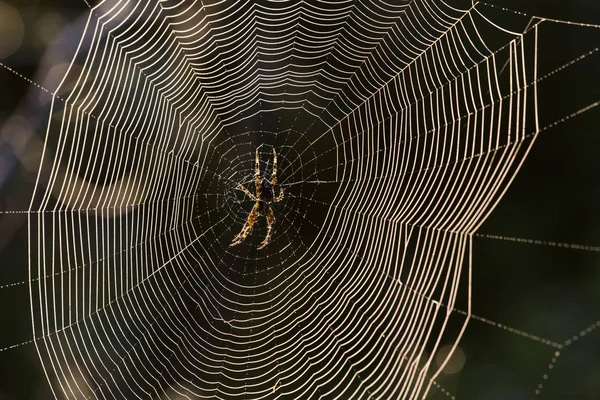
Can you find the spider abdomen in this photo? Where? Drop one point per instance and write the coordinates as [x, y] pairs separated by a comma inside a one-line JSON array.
[[266, 192]]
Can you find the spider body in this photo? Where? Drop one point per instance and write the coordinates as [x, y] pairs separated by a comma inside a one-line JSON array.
[[266, 193], [263, 208], [264, 197]]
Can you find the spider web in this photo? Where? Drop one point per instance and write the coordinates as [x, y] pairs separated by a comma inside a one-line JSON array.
[[398, 126]]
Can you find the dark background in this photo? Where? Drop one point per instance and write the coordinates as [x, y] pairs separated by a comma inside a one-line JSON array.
[[549, 291]]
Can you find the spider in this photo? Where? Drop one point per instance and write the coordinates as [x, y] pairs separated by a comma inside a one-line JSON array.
[[264, 197]]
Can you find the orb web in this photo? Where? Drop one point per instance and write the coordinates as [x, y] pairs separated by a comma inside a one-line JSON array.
[[398, 128]]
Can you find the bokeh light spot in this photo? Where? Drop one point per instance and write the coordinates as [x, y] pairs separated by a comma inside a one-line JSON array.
[[12, 30], [48, 26], [455, 363]]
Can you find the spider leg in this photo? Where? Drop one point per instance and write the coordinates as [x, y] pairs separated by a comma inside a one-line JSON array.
[[257, 174], [247, 228], [270, 222], [280, 197], [274, 173], [253, 197]]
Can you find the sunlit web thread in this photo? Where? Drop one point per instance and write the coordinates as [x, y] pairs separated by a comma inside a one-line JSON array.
[[318, 321]]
